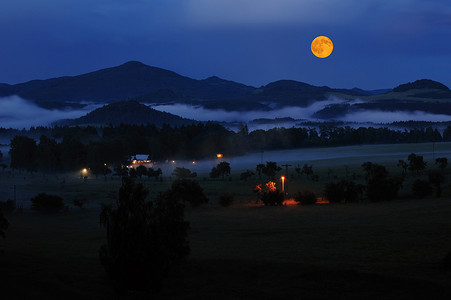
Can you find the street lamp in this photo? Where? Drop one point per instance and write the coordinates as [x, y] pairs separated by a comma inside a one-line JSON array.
[[283, 184]]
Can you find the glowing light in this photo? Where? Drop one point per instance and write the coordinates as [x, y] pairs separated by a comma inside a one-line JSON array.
[[173, 161], [283, 184], [219, 155], [290, 202], [194, 162], [85, 170], [270, 186]]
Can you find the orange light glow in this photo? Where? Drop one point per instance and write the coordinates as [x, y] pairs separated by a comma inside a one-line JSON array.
[[289, 202], [219, 155], [270, 186], [194, 162], [84, 170]]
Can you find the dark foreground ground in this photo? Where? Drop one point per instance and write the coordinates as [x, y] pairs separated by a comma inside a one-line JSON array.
[[360, 251]]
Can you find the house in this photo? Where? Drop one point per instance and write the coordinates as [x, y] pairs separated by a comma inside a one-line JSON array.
[[140, 160]]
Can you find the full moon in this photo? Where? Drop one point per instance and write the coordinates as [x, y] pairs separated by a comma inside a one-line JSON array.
[[322, 46]]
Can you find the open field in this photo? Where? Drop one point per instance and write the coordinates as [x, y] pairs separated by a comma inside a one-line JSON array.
[[389, 250]]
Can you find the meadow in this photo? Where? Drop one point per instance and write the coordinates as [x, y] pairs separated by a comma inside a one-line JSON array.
[[386, 250]]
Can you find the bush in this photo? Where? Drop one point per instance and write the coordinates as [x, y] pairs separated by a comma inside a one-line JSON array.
[[272, 198], [421, 188], [305, 197], [144, 239], [187, 190], [47, 203], [226, 199]]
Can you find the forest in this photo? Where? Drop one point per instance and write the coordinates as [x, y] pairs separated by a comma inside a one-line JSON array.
[[71, 148]]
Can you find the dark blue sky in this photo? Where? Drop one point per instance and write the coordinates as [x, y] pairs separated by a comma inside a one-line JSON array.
[[377, 43]]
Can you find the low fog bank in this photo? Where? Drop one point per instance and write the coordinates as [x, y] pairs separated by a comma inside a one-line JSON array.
[[355, 119], [318, 157], [201, 113], [18, 113]]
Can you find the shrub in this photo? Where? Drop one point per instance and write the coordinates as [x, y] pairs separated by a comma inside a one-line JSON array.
[[226, 199], [272, 198], [305, 197], [421, 188], [47, 203], [187, 190]]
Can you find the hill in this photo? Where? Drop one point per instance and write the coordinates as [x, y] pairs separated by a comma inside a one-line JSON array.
[[137, 81], [126, 81], [127, 112]]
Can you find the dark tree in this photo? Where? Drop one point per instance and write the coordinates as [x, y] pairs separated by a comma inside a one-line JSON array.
[[186, 190], [121, 171], [1, 155], [183, 173], [379, 185], [404, 165], [416, 162], [421, 188], [246, 175], [23, 153], [154, 173], [307, 170], [442, 162], [270, 169], [222, 169], [47, 203], [436, 179], [48, 157], [144, 239], [259, 170], [100, 169], [141, 170], [73, 154]]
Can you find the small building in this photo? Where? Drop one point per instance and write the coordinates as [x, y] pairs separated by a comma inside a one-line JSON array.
[[140, 160]]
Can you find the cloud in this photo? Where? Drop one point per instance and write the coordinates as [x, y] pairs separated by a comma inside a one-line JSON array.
[[203, 114], [298, 113], [19, 113], [378, 116]]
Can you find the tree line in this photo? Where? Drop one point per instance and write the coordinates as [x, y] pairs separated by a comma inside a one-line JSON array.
[[71, 148]]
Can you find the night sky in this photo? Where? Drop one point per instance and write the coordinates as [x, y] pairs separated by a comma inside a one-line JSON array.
[[377, 43]]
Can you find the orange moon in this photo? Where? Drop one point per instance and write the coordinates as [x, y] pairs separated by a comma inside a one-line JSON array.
[[322, 46]]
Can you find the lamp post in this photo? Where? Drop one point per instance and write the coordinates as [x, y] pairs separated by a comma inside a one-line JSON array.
[[283, 184]]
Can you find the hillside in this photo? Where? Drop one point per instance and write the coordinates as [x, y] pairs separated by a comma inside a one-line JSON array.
[[129, 80], [127, 112]]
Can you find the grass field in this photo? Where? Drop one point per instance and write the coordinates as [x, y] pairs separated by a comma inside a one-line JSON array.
[[389, 250]]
